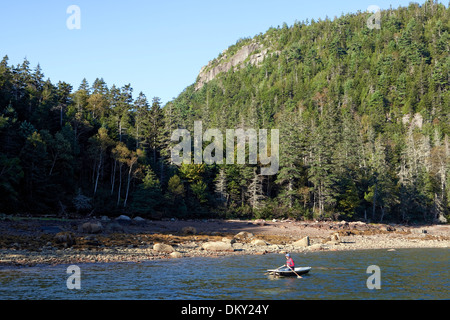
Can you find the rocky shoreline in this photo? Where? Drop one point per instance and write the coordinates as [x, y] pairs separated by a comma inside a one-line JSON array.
[[30, 242]]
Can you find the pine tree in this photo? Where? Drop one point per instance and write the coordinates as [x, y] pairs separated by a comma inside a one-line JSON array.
[[255, 191], [148, 196], [141, 117], [221, 187], [155, 123]]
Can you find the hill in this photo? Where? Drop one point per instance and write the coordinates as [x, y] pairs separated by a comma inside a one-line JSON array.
[[363, 116], [363, 113]]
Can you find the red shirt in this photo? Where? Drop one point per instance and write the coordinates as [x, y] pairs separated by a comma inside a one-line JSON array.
[[290, 263]]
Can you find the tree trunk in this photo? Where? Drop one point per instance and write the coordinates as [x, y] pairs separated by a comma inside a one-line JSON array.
[[374, 202], [128, 186], [53, 165], [113, 177], [98, 172], [120, 184]]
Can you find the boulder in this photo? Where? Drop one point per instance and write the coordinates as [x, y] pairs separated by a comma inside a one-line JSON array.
[[217, 246], [91, 227], [259, 242], [105, 219], [243, 235], [123, 219], [161, 247], [139, 220], [176, 255], [66, 238], [305, 242]]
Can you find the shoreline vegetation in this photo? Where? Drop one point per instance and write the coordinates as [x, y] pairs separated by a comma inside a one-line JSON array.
[[28, 242], [363, 120]]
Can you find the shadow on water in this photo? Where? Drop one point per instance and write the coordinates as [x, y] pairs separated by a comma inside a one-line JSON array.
[[405, 274]]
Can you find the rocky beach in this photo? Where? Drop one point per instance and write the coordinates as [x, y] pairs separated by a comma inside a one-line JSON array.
[[29, 242]]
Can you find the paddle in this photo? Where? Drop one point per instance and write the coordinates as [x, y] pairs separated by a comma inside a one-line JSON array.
[[298, 276], [275, 271]]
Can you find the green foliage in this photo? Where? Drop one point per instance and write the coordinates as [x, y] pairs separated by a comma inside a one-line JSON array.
[[339, 93], [175, 186], [199, 190], [363, 115]]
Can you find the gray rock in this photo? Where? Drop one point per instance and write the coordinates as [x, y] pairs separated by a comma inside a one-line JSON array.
[[236, 61], [139, 220], [217, 246], [258, 242], [303, 243], [161, 247], [91, 227], [123, 219], [176, 255], [243, 235]]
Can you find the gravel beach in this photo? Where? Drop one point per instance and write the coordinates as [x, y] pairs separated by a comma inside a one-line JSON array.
[[30, 242]]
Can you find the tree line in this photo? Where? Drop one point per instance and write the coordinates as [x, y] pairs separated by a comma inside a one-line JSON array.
[[363, 118]]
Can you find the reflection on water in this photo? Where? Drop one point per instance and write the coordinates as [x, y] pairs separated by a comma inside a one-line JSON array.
[[405, 274]]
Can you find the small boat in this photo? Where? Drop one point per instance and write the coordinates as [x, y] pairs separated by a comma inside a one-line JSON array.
[[287, 272]]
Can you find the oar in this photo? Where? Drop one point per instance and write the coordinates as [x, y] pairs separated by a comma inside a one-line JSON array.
[[298, 277], [275, 271]]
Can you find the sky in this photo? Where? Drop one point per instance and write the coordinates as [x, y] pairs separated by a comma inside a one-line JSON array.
[[158, 47]]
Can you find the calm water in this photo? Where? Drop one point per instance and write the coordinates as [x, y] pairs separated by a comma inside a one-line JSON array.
[[405, 274]]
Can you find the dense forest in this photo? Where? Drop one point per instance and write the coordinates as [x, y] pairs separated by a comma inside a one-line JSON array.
[[363, 116]]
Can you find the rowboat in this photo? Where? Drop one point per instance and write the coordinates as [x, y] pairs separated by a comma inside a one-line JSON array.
[[287, 272]]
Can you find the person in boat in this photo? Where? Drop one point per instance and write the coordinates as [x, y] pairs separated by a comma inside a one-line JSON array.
[[289, 262]]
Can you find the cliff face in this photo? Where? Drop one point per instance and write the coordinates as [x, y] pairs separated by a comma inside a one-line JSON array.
[[226, 62]]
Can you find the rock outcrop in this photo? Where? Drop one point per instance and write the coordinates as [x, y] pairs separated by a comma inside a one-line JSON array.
[[225, 63]]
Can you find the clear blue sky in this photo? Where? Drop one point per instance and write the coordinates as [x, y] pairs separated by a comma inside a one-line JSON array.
[[158, 47]]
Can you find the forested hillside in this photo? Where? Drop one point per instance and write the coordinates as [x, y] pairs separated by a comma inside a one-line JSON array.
[[363, 116]]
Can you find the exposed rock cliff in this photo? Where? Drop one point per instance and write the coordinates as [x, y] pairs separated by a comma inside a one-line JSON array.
[[252, 53]]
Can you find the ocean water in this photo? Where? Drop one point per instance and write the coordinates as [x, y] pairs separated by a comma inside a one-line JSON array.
[[404, 274]]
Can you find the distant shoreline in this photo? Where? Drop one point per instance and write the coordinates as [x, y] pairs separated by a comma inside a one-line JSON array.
[[27, 243]]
